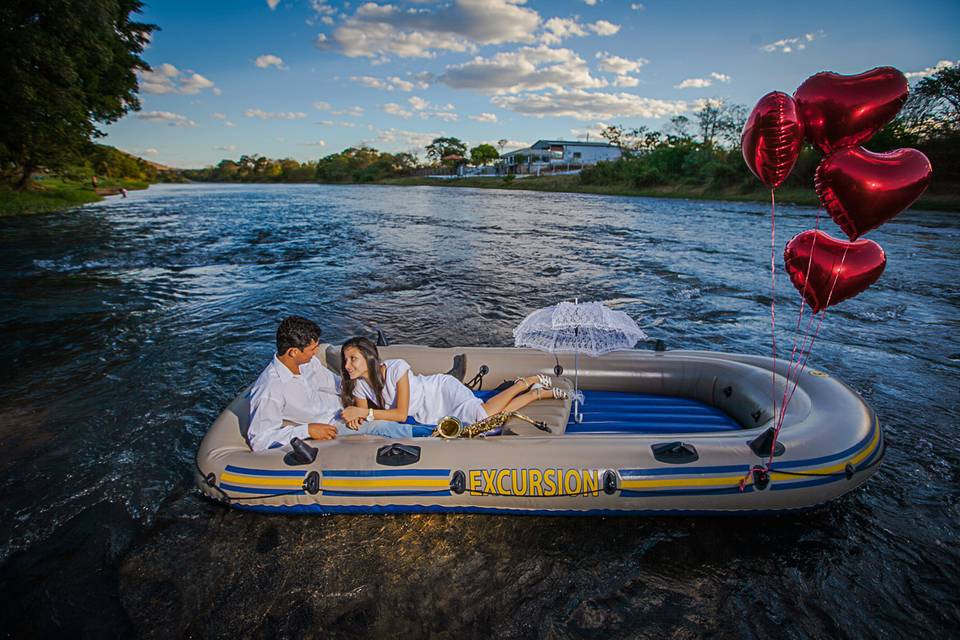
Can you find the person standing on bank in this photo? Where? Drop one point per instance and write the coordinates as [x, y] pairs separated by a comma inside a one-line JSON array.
[[295, 387]]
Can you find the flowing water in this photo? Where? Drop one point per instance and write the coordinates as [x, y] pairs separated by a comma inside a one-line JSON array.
[[128, 325]]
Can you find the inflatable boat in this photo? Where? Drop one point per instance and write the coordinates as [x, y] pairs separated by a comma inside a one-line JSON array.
[[659, 433]]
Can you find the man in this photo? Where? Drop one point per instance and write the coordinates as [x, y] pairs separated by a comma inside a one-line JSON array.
[[296, 388]]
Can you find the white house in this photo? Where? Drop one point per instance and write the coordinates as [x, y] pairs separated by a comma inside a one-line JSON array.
[[554, 154]]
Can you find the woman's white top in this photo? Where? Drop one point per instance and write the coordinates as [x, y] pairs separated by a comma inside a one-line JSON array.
[[431, 397]]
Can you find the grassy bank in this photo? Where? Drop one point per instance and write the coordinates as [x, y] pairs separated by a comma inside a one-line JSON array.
[[938, 201], [57, 194]]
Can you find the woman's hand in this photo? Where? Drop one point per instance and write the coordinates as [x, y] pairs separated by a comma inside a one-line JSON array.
[[355, 424], [353, 414]]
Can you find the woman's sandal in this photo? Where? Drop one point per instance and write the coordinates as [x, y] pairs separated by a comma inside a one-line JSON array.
[[558, 394]]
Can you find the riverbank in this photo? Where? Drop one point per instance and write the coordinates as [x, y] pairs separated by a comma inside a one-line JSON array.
[[56, 194], [937, 201]]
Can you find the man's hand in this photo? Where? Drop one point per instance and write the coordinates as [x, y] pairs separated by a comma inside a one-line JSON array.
[[355, 424], [321, 431], [352, 413]]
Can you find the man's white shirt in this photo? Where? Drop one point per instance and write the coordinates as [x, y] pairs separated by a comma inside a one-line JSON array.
[[278, 395]]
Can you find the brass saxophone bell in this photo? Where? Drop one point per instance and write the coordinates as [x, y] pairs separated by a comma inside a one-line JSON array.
[[449, 427]]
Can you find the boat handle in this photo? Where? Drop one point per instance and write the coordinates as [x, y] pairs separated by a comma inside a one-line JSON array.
[[398, 455], [675, 452]]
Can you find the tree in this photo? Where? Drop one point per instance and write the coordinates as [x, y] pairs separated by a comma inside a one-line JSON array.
[[65, 66], [483, 154], [933, 109], [440, 148], [501, 143]]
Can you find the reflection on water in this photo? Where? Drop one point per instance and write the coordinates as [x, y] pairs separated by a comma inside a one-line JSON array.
[[128, 325]]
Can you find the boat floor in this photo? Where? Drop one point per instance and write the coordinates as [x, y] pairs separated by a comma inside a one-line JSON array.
[[643, 413]]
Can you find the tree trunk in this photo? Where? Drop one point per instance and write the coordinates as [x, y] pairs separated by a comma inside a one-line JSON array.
[[25, 177]]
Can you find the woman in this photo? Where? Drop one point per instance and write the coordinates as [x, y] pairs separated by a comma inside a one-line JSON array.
[[375, 390]]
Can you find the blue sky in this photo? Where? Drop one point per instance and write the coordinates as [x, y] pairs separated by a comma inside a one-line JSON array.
[[307, 78]]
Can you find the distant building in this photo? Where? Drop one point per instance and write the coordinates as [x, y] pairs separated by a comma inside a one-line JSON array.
[[554, 155]]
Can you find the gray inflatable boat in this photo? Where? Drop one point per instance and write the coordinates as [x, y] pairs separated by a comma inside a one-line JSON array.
[[681, 432]]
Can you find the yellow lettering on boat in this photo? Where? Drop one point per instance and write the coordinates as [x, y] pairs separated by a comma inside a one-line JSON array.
[[536, 477], [488, 475], [474, 483], [501, 489], [549, 482], [534, 483]]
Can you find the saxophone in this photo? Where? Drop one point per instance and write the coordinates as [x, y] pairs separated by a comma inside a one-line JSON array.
[[451, 427]]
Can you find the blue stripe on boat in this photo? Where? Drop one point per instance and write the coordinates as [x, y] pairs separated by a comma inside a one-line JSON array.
[[680, 471], [264, 472], [658, 493], [353, 473], [260, 490]]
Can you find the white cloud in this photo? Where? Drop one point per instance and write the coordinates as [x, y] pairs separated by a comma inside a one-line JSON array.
[[446, 116], [418, 103], [268, 115], [395, 109], [229, 124], [929, 71], [216, 91], [150, 152], [273, 4], [318, 143], [585, 105], [349, 111], [603, 28], [166, 78], [511, 145], [700, 83], [166, 117], [626, 81], [327, 20], [636, 6], [321, 105], [385, 84], [484, 117], [526, 69], [326, 123], [618, 65], [378, 31], [693, 83], [590, 3], [347, 124], [557, 29], [409, 140], [321, 7], [227, 147], [268, 60], [219, 116], [798, 43], [593, 133]]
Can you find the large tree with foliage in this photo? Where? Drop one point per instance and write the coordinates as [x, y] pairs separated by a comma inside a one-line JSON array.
[[483, 154], [65, 67], [440, 148]]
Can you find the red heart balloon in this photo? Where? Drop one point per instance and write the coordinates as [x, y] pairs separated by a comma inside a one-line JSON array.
[[826, 271], [842, 111], [771, 138], [861, 190]]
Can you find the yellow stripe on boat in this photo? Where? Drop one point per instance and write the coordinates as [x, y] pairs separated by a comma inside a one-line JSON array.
[[260, 481], [382, 483]]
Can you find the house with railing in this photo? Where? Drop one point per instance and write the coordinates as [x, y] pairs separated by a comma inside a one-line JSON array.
[[556, 156]]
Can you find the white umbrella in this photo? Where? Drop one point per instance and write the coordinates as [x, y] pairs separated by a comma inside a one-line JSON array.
[[578, 327]]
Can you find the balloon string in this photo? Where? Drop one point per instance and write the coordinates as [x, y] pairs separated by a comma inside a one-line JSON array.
[[805, 353], [794, 359], [773, 296]]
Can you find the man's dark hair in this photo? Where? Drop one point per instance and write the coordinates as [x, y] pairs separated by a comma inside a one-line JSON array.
[[296, 332]]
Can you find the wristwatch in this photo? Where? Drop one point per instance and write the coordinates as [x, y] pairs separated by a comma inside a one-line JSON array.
[[370, 415]]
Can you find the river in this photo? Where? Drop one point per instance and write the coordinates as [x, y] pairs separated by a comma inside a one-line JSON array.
[[128, 325]]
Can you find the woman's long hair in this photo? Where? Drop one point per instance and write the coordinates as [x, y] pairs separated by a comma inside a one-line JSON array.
[[369, 351]]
